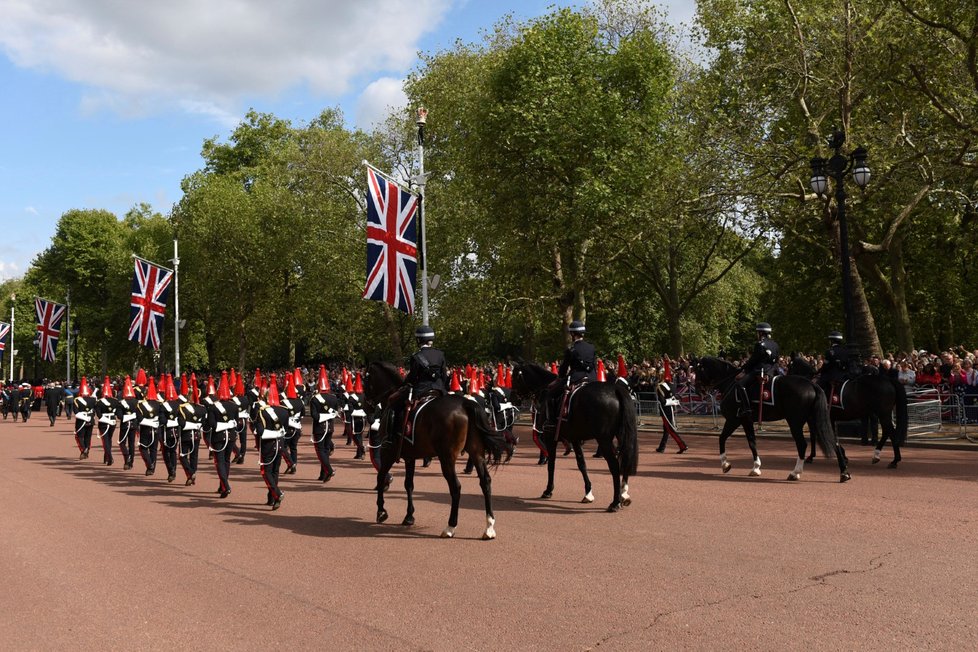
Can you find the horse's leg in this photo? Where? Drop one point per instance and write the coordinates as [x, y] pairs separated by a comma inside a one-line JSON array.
[[383, 482], [582, 467], [485, 482], [615, 469], [454, 488], [728, 427], [752, 444], [811, 453], [798, 434], [409, 489], [551, 461]]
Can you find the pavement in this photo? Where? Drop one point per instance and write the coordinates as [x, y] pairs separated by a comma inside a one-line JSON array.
[[95, 557]]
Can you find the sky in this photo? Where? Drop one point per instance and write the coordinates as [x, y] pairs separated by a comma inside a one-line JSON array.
[[105, 104]]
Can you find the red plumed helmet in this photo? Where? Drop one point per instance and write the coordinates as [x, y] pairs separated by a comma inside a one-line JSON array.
[[290, 386], [298, 379], [257, 382], [171, 390], [224, 392], [272, 391], [184, 388], [151, 394], [509, 378], [667, 371], [232, 379], [348, 386], [83, 390], [474, 384], [141, 378], [456, 385], [239, 388], [358, 385], [622, 371], [194, 389], [322, 384], [602, 376], [211, 391], [106, 388], [553, 368], [127, 391]]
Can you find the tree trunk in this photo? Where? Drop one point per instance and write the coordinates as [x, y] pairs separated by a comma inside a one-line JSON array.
[[242, 346], [393, 332]]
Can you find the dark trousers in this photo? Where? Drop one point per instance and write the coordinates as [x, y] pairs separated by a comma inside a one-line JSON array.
[[222, 449], [127, 442], [83, 434], [105, 432], [169, 443], [290, 449], [323, 444], [189, 452], [271, 462], [242, 442], [147, 447]]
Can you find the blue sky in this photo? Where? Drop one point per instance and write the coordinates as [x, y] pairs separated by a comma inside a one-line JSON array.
[[106, 104]]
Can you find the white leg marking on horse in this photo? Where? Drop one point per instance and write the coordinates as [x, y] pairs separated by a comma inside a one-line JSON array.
[[448, 532], [490, 532], [756, 471], [626, 500], [876, 455], [724, 464], [799, 466], [588, 497]]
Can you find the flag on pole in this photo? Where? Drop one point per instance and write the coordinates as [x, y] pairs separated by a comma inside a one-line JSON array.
[[150, 286], [49, 316], [4, 332], [392, 242]]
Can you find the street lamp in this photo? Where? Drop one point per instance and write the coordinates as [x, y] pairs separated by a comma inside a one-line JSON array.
[[37, 347], [74, 338], [837, 167]]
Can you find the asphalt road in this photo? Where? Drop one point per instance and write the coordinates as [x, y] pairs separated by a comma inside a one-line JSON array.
[[97, 557]]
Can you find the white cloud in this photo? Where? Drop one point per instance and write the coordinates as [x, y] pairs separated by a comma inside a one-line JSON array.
[[31, 210], [204, 57], [378, 100], [8, 270]]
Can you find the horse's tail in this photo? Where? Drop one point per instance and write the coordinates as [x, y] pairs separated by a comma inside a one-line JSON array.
[[902, 416], [628, 430], [494, 442], [822, 424]]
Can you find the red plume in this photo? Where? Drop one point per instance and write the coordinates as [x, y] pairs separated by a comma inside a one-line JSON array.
[[127, 391], [257, 381], [290, 386], [323, 383], [232, 379], [141, 378], [106, 388], [272, 391], [622, 369], [358, 385], [667, 371], [239, 388], [171, 390], [84, 390], [194, 395], [553, 368], [184, 389], [210, 386], [348, 387], [474, 384], [224, 392], [298, 380], [456, 386], [602, 376], [500, 375], [509, 378], [151, 394], [345, 377], [468, 370], [400, 370]]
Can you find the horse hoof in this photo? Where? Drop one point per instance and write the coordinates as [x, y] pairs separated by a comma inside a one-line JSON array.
[[625, 501], [892, 465], [448, 533], [876, 460], [588, 498], [726, 466], [845, 477], [547, 494], [381, 516], [793, 477], [660, 449], [614, 507], [408, 521], [488, 535], [754, 473]]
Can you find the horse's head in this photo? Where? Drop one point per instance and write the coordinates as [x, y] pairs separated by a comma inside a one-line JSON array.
[[711, 372], [799, 366], [529, 379], [381, 379]]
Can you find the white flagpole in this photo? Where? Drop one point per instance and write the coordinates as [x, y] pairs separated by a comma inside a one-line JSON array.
[[420, 179], [67, 330], [176, 307], [13, 299]]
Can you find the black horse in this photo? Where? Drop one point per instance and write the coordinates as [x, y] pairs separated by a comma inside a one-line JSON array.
[[797, 400], [444, 427], [602, 411], [864, 396]]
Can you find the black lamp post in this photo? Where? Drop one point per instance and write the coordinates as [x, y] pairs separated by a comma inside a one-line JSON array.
[[37, 346], [74, 338], [837, 167]]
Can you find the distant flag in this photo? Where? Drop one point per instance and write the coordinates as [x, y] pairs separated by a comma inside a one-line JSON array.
[[4, 333], [150, 286], [392, 242], [49, 316]]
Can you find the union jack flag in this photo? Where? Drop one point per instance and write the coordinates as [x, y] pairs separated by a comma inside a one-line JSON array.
[[150, 285], [49, 316], [4, 331], [392, 242]]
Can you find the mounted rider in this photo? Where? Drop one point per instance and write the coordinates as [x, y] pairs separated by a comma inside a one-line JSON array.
[[835, 366], [427, 374], [762, 362], [578, 366]]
